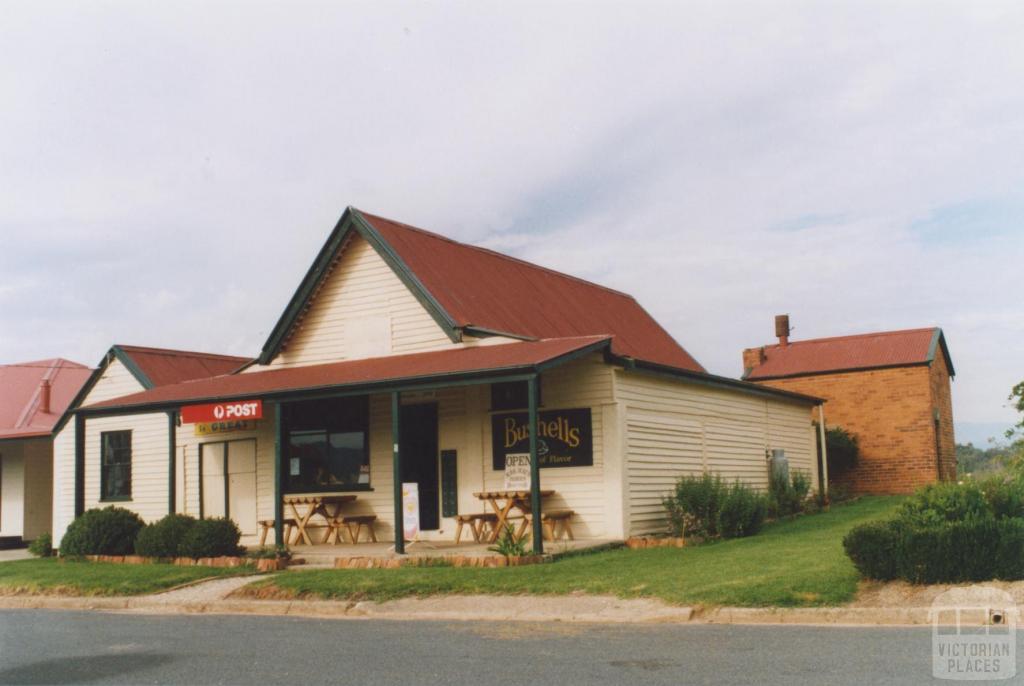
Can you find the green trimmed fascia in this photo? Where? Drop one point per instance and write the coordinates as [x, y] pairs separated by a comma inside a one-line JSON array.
[[604, 344], [712, 380], [406, 275], [939, 340], [352, 220], [483, 332], [419, 383], [83, 392], [136, 371]]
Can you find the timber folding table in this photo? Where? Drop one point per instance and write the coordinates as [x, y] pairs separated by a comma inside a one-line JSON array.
[[326, 506], [503, 502]]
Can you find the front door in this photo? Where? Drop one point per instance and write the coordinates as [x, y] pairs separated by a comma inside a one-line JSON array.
[[229, 482], [418, 446]]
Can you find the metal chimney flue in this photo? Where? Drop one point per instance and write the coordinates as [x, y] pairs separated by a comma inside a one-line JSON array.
[[782, 329], [44, 396]]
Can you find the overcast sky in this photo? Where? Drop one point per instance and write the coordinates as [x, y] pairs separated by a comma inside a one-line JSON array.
[[168, 172]]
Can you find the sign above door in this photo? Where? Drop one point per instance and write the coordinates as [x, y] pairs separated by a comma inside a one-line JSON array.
[[222, 412]]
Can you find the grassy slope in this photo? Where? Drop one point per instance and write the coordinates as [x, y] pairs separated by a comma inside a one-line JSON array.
[[798, 562], [97, 578]]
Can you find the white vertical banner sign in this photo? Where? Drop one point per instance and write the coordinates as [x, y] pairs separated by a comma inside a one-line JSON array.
[[410, 510], [517, 472]]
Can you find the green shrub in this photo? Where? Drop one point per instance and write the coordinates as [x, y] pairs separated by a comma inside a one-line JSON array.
[[948, 552], [742, 512], [873, 548], [1009, 563], [110, 531], [787, 496], [945, 502], [211, 538], [843, 450], [41, 546], [694, 507], [1005, 496], [164, 537]]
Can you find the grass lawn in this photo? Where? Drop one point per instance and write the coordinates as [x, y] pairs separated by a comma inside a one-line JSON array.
[[51, 576], [798, 562]]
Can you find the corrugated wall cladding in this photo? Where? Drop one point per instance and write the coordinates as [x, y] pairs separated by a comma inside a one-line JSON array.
[[675, 428]]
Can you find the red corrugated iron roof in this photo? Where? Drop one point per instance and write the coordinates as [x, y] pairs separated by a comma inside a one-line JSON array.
[[503, 357], [485, 289], [842, 353], [162, 366], [20, 395], [465, 287]]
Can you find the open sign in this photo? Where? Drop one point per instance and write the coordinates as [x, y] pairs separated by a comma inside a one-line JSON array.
[[219, 412]]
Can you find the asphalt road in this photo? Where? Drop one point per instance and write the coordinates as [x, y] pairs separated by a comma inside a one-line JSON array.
[[50, 647]]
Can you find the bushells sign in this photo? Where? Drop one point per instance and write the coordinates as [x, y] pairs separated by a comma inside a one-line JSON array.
[[565, 437]]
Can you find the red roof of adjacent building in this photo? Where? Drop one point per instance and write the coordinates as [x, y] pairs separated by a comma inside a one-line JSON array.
[[843, 353], [162, 367], [21, 411], [416, 367]]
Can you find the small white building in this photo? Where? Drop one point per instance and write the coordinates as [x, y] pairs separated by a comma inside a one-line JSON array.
[[33, 398], [407, 357]]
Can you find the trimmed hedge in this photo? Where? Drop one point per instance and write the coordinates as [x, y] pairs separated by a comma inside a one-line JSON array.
[[164, 537], [211, 538], [978, 549], [110, 531]]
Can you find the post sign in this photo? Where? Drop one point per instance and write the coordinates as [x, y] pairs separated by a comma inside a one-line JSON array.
[[237, 410], [410, 510], [565, 438], [517, 472]]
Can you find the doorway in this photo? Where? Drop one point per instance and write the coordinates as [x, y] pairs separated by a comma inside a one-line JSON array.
[[227, 485], [418, 444]]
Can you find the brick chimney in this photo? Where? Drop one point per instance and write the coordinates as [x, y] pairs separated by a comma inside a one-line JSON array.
[[782, 329], [753, 358], [44, 396]]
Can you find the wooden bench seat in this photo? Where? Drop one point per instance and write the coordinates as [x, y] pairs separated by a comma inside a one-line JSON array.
[[354, 525], [478, 525], [551, 519], [267, 525]]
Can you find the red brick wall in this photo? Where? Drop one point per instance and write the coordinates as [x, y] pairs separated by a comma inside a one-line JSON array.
[[892, 413]]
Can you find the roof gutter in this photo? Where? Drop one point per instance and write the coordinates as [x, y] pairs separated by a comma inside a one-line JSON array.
[[653, 368], [402, 384]]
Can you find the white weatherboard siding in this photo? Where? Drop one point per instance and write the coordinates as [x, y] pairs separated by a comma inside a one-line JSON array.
[[12, 489], [149, 455], [463, 426], [675, 427], [364, 310], [38, 466]]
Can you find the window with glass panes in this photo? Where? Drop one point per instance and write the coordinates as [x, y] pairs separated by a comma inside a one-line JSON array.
[[116, 465], [328, 446]]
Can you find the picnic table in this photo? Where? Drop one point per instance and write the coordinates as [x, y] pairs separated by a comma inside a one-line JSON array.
[[503, 502], [326, 506]]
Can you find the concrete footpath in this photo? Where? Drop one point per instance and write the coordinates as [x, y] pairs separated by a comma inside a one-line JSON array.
[[214, 597]]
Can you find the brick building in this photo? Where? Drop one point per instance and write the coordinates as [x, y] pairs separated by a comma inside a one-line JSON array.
[[891, 389]]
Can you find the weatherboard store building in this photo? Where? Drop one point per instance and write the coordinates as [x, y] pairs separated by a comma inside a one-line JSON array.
[[486, 385]]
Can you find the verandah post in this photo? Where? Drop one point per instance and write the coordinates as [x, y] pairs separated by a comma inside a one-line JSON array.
[[396, 463], [172, 463], [278, 458], [79, 464], [538, 530]]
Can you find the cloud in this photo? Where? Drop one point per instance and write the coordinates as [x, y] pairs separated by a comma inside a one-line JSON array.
[[170, 171]]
